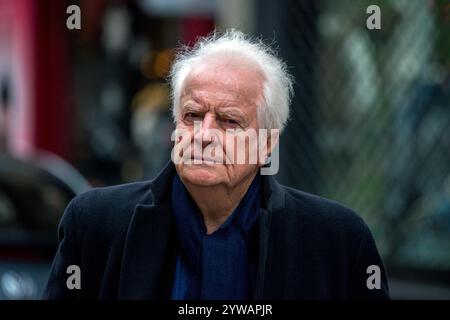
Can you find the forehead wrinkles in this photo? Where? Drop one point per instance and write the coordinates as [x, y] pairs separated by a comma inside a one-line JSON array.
[[217, 81], [225, 82]]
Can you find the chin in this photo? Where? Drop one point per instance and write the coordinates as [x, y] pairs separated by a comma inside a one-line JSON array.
[[203, 175]]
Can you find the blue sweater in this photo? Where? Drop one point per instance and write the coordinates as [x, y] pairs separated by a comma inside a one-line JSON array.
[[214, 266]]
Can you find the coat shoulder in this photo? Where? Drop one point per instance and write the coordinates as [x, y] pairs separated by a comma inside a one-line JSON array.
[[329, 244], [108, 210], [328, 215]]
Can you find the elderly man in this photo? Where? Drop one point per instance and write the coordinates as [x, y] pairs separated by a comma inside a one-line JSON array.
[[210, 229]]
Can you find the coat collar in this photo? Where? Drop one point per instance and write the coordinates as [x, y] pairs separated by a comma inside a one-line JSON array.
[[150, 243], [151, 240]]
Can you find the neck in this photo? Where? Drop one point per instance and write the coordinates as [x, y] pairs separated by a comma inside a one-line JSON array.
[[217, 203]]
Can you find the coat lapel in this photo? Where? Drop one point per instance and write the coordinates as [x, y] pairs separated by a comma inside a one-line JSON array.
[[273, 200], [147, 254], [149, 251]]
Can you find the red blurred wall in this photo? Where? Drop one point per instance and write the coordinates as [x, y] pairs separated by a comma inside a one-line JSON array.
[[34, 57]]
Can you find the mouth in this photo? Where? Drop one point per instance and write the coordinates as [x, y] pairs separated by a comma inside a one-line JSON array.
[[203, 160]]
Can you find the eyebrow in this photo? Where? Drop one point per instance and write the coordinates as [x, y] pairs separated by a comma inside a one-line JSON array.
[[232, 113], [192, 107], [239, 115]]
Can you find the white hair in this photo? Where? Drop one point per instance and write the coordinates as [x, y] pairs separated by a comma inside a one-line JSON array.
[[278, 83]]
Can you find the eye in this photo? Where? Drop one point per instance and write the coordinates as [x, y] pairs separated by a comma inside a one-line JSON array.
[[230, 122], [191, 116]]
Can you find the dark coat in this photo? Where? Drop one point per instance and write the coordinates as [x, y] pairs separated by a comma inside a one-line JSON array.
[[124, 241]]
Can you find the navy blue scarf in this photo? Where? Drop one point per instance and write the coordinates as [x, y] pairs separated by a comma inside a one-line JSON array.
[[214, 266]]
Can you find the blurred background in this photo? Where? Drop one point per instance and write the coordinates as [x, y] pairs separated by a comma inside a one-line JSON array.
[[370, 123]]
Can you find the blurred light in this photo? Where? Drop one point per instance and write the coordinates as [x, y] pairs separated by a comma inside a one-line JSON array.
[[153, 96], [116, 26], [163, 60], [17, 286], [156, 64], [178, 7]]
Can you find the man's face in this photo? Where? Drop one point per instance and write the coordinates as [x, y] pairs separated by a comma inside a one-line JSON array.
[[219, 95]]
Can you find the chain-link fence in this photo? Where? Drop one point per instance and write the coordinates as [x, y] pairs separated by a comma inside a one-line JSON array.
[[370, 122]]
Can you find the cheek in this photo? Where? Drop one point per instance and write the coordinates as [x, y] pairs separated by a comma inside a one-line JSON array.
[[229, 149], [181, 142], [181, 125], [241, 150], [236, 173]]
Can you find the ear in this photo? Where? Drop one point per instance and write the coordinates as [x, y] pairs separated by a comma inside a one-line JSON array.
[[270, 139]]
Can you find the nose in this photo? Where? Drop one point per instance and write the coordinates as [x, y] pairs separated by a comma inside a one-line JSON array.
[[206, 134], [209, 122]]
